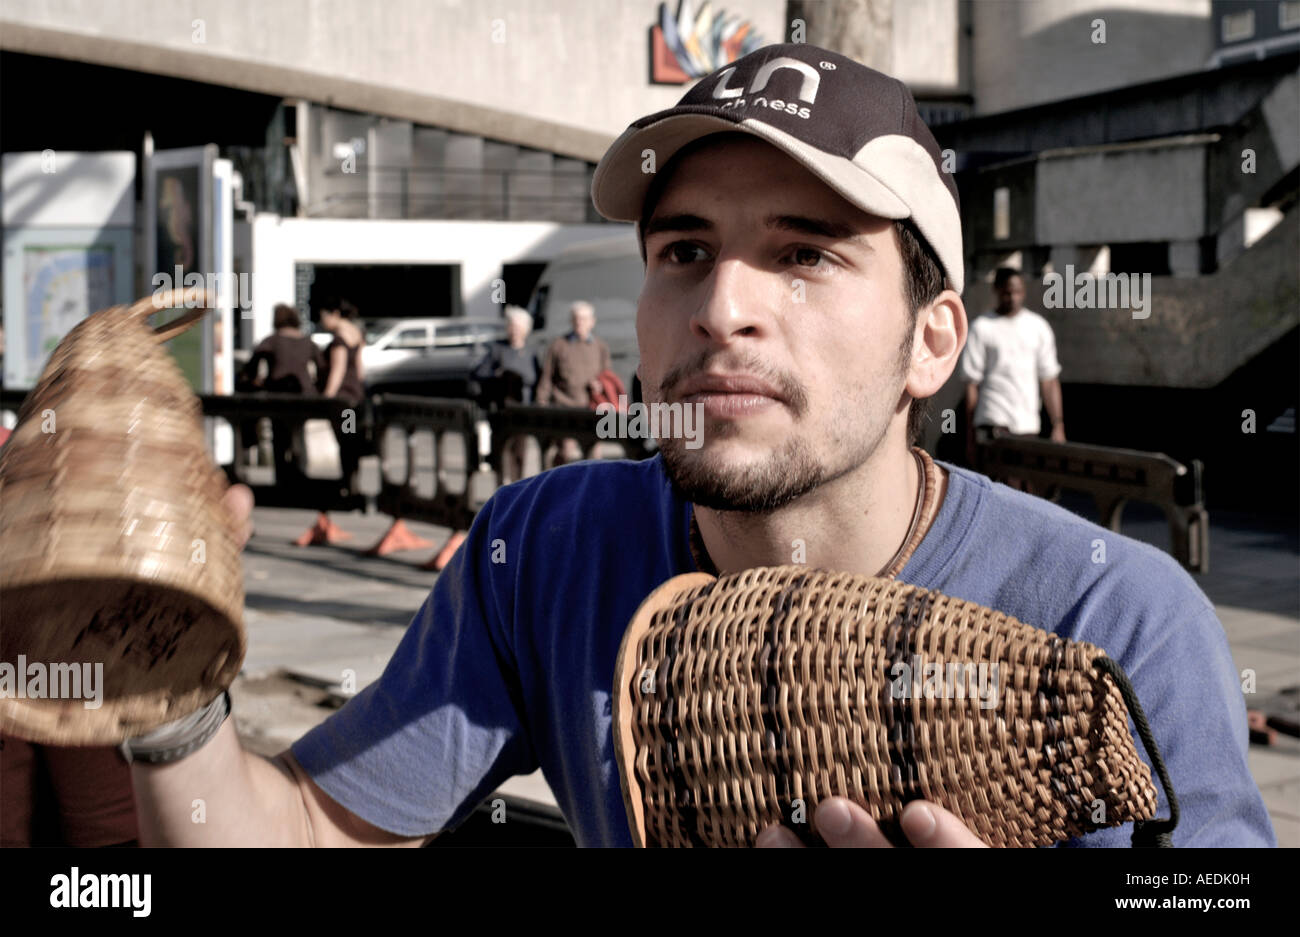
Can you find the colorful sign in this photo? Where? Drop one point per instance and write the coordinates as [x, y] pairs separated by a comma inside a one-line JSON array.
[[696, 42]]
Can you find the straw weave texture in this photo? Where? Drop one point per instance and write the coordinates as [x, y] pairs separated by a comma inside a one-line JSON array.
[[740, 697], [116, 548]]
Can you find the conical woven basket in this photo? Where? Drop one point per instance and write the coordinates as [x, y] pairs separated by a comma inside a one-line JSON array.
[[116, 547], [744, 701]]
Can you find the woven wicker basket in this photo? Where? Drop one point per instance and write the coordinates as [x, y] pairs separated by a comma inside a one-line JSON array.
[[742, 702], [116, 548]]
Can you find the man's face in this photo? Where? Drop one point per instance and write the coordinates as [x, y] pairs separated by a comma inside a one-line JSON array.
[[1010, 295], [780, 307], [583, 321]]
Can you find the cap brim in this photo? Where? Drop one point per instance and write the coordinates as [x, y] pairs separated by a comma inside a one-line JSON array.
[[620, 183]]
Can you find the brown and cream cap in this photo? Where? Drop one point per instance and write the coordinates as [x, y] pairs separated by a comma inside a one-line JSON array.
[[855, 128]]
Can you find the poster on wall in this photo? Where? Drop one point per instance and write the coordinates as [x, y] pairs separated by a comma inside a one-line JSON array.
[[54, 279], [68, 249], [178, 235]]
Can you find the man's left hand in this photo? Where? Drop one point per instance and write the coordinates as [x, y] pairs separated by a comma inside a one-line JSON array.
[[841, 822], [1058, 432]]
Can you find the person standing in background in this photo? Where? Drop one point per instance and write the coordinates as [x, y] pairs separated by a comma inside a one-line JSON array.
[[573, 362], [293, 363], [1011, 370], [509, 371], [569, 375], [343, 380], [293, 360]]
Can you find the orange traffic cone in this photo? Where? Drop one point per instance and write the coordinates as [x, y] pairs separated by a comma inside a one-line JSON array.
[[398, 537], [323, 533], [439, 562]]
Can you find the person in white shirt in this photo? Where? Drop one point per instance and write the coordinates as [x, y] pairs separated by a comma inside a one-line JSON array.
[[1010, 368]]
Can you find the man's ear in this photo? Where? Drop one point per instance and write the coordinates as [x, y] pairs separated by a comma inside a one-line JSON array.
[[937, 343]]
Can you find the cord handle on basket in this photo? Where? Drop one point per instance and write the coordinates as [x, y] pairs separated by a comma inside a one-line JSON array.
[[196, 301], [1155, 832]]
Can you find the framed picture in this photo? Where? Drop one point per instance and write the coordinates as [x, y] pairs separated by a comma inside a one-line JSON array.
[[178, 246]]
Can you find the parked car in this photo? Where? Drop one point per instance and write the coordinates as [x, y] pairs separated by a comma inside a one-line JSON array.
[[391, 341], [607, 273], [434, 372], [429, 357]]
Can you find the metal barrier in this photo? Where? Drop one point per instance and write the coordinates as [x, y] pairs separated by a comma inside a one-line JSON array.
[[453, 428], [1112, 477], [458, 484], [287, 481], [550, 427]]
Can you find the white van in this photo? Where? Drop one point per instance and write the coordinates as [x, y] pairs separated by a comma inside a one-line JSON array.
[[606, 273]]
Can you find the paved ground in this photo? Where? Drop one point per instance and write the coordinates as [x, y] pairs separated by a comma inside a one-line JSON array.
[[1254, 582], [313, 614]]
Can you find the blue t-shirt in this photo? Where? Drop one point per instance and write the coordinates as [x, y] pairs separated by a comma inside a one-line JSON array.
[[508, 665]]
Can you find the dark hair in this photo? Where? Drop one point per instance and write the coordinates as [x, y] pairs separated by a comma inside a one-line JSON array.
[[922, 272], [1003, 275], [326, 300], [923, 280], [286, 317]]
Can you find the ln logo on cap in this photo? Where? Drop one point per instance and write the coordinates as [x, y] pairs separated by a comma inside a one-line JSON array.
[[807, 90], [866, 140]]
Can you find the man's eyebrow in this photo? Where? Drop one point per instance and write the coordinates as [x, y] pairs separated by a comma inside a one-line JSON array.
[[678, 222], [817, 227]]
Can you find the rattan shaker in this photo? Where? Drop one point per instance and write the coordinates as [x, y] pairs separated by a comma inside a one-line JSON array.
[[116, 549], [744, 701]]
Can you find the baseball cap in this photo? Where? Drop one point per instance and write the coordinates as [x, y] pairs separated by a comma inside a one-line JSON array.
[[853, 127]]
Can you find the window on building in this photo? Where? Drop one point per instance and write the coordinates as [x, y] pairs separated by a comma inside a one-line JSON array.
[[1288, 14], [1238, 26], [1140, 257], [1001, 213]]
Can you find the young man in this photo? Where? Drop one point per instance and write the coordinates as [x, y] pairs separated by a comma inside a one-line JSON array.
[[1010, 367], [783, 295]]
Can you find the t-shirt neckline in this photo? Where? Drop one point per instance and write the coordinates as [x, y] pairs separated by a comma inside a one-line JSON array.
[[947, 535]]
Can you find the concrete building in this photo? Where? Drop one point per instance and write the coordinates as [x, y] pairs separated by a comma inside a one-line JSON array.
[[438, 155]]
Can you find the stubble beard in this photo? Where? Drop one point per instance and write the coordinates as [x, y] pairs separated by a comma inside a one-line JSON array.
[[765, 484], [758, 486], [784, 474]]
